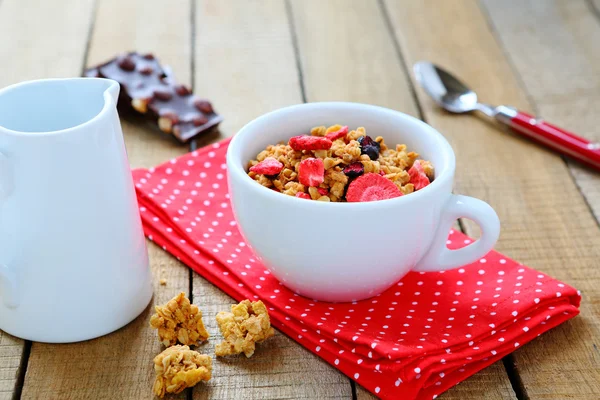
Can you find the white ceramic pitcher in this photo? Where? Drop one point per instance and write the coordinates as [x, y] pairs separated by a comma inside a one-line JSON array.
[[73, 259]]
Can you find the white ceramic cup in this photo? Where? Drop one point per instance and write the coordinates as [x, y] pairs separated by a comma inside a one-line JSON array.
[[73, 258], [351, 251]]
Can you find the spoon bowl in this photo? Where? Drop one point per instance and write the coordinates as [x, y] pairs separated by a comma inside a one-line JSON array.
[[445, 89]]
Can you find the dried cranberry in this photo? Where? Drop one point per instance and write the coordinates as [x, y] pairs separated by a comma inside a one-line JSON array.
[[163, 95], [203, 106], [322, 191], [182, 90], [353, 170], [369, 147], [146, 71], [126, 64], [198, 121]]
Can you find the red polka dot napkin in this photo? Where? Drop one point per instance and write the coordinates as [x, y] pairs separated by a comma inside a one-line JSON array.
[[422, 336]]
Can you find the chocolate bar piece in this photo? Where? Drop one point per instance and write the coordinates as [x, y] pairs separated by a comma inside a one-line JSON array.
[[146, 89]]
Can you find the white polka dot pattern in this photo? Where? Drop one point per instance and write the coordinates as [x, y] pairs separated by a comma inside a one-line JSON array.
[[416, 340]]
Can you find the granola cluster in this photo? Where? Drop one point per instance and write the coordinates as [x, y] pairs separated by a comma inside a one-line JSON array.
[[322, 165], [178, 368], [247, 324], [178, 321]]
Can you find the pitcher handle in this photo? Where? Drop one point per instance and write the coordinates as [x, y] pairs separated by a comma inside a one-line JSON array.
[[8, 280], [439, 257]]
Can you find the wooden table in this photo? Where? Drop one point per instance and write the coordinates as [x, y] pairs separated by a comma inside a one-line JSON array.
[[250, 57]]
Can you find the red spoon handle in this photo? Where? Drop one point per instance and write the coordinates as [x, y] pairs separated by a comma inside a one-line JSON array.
[[559, 139]]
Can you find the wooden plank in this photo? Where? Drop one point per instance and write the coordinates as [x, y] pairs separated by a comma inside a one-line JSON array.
[[245, 64], [11, 352], [343, 63], [560, 40], [546, 222], [31, 55], [119, 365], [556, 54]]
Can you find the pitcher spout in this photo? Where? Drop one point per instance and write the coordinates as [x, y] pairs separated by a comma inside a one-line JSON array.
[[107, 88], [111, 91]]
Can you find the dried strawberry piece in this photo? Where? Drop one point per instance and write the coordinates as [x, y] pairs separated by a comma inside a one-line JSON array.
[[417, 176], [323, 191], [340, 133], [355, 169], [268, 166], [311, 172], [305, 142], [303, 195], [371, 187]]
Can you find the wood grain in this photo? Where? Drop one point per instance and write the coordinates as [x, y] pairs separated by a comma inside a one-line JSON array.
[[26, 55], [342, 63], [554, 48], [11, 352], [546, 222], [255, 72], [119, 365]]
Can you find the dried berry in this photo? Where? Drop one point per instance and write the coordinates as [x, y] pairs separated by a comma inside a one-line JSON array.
[[126, 64], [311, 172], [303, 195], [340, 133], [268, 166], [323, 191], [148, 56], [355, 169], [163, 95], [417, 176], [371, 187], [204, 106], [198, 121], [305, 142], [182, 90], [146, 70], [369, 147]]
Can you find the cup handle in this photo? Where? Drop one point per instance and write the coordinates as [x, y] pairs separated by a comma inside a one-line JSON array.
[[439, 257], [8, 281]]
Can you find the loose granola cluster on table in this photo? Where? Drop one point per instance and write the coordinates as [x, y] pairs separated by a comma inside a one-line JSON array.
[[247, 324], [178, 321], [178, 367], [336, 164]]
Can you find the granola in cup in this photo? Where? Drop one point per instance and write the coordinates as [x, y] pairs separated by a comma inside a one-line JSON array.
[[336, 164]]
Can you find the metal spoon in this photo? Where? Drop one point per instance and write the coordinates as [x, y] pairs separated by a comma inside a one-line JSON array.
[[454, 96]]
